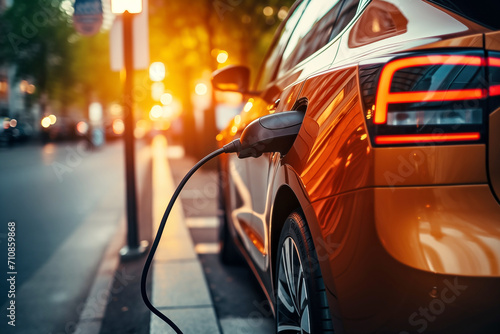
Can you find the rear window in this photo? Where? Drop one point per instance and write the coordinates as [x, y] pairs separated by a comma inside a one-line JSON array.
[[484, 12]]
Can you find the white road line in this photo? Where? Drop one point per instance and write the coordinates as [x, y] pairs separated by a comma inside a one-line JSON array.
[[207, 248], [202, 222]]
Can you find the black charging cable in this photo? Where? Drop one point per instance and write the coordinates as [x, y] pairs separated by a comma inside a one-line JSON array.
[[232, 147], [271, 133]]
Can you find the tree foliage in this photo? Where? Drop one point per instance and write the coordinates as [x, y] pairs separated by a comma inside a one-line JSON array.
[[34, 37], [183, 34], [38, 37]]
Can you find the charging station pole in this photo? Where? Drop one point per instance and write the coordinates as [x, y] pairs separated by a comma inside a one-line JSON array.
[[134, 248]]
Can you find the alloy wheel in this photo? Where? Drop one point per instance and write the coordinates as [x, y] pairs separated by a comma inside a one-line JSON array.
[[293, 314]]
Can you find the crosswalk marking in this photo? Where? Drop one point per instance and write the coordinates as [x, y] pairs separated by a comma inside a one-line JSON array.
[[207, 248], [202, 222]]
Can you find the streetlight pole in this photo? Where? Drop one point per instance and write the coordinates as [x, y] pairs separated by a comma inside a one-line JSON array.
[[134, 248]]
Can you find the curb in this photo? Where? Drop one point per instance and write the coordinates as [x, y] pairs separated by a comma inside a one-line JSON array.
[[179, 286]]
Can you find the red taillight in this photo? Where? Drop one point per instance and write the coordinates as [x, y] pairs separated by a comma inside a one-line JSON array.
[[386, 97], [437, 98], [494, 90], [425, 138], [383, 101]]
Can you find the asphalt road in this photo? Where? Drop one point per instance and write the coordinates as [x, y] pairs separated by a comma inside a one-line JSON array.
[[66, 204]]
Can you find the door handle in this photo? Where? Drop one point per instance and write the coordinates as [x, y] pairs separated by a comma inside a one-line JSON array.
[[275, 105]]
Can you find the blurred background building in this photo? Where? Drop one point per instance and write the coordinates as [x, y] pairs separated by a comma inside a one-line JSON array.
[[47, 68]]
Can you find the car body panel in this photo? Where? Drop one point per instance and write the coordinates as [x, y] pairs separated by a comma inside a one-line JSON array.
[[426, 165], [494, 152], [262, 173], [492, 41], [376, 292], [439, 229], [393, 227]]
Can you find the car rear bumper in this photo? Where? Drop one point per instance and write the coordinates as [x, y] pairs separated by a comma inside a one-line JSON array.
[[413, 259]]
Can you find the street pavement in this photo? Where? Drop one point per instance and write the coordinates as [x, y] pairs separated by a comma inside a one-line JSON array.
[[66, 203]]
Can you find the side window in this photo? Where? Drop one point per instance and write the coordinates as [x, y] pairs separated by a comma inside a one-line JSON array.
[[273, 58], [346, 15], [312, 33]]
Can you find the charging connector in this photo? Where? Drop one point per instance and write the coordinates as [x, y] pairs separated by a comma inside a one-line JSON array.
[[231, 147], [272, 133]]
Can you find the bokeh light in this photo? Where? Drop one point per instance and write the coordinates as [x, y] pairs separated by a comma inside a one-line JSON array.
[[115, 109], [268, 11], [166, 99], [156, 112], [222, 57], [82, 127], [201, 89], [52, 119], [248, 105], [45, 122], [157, 71], [118, 126], [282, 13]]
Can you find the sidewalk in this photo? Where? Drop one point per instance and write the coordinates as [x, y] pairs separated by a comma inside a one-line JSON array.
[[179, 287]]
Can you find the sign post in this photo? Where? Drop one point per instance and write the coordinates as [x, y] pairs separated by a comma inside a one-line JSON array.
[[134, 248]]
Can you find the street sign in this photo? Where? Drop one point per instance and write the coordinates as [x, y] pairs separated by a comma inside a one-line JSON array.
[[87, 18], [140, 37]]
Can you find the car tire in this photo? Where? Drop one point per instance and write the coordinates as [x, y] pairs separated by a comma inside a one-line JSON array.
[[301, 303]]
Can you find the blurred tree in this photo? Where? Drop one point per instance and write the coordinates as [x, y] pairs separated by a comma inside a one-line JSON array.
[[92, 70], [39, 39], [186, 36], [246, 28], [34, 38]]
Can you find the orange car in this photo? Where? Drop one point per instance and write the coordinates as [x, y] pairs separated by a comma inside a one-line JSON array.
[[384, 215]]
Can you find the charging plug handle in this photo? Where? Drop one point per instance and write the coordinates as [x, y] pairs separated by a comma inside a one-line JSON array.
[[271, 133]]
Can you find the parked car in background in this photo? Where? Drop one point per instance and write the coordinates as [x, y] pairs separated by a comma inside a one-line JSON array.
[[384, 216], [14, 131], [6, 132], [54, 128]]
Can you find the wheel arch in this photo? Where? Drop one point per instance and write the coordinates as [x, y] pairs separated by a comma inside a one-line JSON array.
[[291, 196], [285, 202]]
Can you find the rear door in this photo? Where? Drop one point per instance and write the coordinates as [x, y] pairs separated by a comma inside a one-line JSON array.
[[308, 50], [242, 171]]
